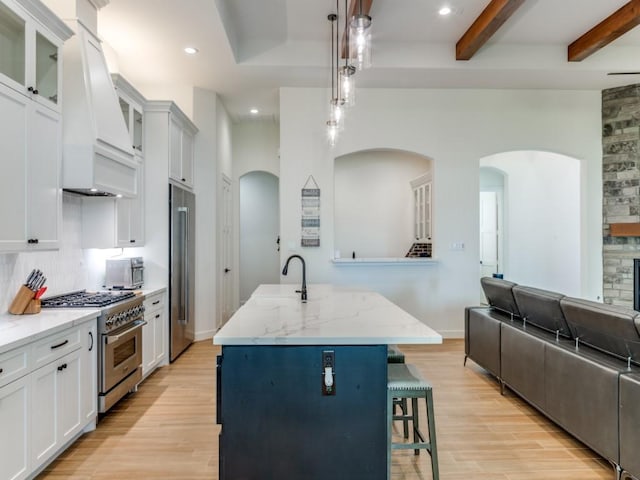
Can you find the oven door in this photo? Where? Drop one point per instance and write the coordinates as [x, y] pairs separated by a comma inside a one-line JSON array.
[[121, 354]]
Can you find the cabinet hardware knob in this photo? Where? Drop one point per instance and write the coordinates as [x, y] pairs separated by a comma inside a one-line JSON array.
[[35, 91], [62, 367], [53, 347], [30, 89], [184, 179], [1, 370], [157, 316], [132, 241]]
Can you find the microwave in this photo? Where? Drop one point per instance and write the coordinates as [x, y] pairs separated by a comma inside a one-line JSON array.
[[124, 273]]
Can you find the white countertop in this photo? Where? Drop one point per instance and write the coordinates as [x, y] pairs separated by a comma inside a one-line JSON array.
[[18, 330], [333, 315]]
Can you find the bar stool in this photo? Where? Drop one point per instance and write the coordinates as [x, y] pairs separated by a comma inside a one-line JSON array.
[[395, 355], [405, 381]]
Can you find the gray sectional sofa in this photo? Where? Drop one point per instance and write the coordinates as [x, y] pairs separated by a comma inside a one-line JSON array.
[[576, 361]]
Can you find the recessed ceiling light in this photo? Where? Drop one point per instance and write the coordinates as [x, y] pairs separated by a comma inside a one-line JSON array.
[[190, 50], [93, 190], [445, 11], [254, 111], [119, 195]]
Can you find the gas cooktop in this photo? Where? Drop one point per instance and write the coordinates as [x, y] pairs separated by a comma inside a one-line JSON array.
[[82, 298]]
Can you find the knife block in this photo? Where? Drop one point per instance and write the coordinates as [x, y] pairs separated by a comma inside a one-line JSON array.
[[24, 302]]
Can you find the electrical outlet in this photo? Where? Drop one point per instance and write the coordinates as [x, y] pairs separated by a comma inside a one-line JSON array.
[[328, 372], [458, 246]]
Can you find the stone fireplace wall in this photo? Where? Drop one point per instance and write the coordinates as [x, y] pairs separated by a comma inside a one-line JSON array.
[[621, 189]]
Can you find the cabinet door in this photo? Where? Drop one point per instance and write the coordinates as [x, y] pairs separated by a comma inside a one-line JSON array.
[[14, 37], [159, 331], [187, 158], [47, 70], [175, 151], [44, 408], [148, 345], [14, 418], [89, 372], [136, 212], [69, 393], [44, 201], [123, 212], [13, 186]]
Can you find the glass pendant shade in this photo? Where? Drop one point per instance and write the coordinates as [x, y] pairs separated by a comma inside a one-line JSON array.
[[361, 45], [347, 83], [336, 113], [332, 132]]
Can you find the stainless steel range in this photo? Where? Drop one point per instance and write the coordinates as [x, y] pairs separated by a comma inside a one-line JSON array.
[[120, 346]]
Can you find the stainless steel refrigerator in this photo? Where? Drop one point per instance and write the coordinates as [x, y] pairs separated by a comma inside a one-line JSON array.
[[182, 208]]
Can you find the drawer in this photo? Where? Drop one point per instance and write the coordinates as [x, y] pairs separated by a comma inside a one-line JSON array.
[[154, 302], [14, 364], [55, 346]]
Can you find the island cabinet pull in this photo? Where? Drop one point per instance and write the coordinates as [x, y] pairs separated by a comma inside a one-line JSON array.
[[156, 302], [53, 347], [91, 337]]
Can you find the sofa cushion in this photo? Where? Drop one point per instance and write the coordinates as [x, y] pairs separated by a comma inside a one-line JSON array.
[[542, 308], [608, 328], [499, 294]]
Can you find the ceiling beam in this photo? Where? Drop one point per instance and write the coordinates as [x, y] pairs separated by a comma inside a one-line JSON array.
[[612, 27], [352, 9], [487, 23]]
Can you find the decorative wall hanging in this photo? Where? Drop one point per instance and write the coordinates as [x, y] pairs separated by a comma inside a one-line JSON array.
[[310, 214]]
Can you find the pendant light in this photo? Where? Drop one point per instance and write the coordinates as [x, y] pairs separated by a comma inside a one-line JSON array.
[[347, 82], [335, 103], [361, 36]]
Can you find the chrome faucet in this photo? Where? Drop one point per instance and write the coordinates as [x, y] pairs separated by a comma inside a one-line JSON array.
[[303, 291]]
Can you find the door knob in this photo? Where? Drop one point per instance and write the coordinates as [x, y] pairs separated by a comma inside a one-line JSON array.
[[227, 270]]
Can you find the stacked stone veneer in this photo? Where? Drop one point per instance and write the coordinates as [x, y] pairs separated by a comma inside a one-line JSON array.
[[621, 189]]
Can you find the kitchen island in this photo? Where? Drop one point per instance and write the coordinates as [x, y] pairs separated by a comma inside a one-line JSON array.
[[302, 386]]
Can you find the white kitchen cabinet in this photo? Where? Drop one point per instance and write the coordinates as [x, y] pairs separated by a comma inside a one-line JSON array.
[[89, 374], [154, 333], [55, 406], [132, 105], [422, 207], [32, 37], [30, 127], [177, 136], [15, 420], [30, 185], [114, 222]]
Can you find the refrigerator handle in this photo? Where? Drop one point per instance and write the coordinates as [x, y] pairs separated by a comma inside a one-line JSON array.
[[185, 264]]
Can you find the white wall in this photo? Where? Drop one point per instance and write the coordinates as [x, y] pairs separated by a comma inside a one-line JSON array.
[[205, 188], [455, 128], [259, 228], [374, 204], [542, 242], [255, 147]]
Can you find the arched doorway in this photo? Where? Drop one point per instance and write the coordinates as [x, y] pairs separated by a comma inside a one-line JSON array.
[[541, 234], [259, 231]]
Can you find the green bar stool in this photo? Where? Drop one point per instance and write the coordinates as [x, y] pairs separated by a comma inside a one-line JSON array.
[[394, 354], [405, 381]]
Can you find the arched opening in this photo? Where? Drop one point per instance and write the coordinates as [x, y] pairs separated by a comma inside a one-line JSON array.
[[259, 231], [540, 237], [375, 202]]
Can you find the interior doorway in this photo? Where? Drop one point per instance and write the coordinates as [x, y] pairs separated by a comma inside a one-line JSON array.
[[539, 236], [259, 231]]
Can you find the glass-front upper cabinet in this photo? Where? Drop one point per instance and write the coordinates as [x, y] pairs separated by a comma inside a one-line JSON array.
[[12, 45], [132, 105], [30, 45]]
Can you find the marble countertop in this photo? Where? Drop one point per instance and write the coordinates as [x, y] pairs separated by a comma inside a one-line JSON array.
[[18, 330], [333, 315]]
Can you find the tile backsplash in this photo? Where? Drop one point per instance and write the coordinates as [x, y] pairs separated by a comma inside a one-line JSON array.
[[67, 269]]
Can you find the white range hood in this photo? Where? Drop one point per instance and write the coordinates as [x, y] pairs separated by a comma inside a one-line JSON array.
[[98, 157]]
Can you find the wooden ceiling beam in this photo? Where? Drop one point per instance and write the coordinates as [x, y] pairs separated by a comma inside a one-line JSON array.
[[487, 23], [352, 9], [608, 30]]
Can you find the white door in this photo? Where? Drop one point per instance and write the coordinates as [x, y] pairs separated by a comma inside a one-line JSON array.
[[259, 228], [227, 250], [489, 234]]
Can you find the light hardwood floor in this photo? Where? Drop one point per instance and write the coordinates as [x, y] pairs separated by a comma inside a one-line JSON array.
[[167, 430]]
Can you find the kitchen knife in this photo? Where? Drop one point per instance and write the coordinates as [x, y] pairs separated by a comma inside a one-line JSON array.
[[30, 277]]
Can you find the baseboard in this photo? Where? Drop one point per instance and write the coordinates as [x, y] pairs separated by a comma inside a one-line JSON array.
[[205, 335], [452, 333]]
